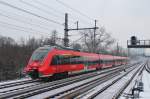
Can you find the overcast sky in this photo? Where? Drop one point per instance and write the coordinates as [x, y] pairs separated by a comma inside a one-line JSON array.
[[122, 18]]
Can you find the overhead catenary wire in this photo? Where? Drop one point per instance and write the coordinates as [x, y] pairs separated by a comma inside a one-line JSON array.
[[24, 28], [77, 11], [27, 19], [24, 22], [59, 12], [53, 9], [76, 41], [45, 11], [26, 11], [31, 13], [50, 8], [18, 29]]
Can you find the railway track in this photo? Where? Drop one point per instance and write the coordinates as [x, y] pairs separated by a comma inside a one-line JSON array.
[[13, 83], [115, 87], [147, 67], [41, 88], [53, 86], [20, 82], [79, 90]]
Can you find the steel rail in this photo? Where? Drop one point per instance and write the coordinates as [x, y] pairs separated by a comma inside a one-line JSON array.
[[17, 83], [116, 96], [75, 91], [29, 95], [49, 86]]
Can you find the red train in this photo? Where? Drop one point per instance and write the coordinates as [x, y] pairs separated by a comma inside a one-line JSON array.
[[57, 60]]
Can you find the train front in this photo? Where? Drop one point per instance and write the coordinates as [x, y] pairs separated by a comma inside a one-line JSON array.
[[36, 62]]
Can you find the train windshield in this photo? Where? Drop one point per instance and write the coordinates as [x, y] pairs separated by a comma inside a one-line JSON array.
[[39, 54]]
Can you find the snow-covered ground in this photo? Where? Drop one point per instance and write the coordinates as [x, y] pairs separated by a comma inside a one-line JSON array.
[[146, 81]]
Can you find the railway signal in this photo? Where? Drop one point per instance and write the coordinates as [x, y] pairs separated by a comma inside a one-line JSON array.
[[135, 43]]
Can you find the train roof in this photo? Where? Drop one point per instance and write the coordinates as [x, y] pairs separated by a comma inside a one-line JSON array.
[[77, 52]]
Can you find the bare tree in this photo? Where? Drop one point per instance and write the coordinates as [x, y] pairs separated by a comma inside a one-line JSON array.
[[6, 41], [103, 40], [53, 39]]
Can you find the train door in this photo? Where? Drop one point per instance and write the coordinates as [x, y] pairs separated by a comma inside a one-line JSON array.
[[85, 63]]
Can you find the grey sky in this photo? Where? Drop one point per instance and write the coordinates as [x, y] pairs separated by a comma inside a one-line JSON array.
[[123, 18]]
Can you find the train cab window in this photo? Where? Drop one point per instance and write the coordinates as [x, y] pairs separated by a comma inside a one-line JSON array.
[[39, 54]]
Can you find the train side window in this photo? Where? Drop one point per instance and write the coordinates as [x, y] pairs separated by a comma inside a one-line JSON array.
[[60, 60], [55, 60], [75, 60]]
